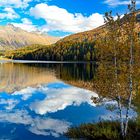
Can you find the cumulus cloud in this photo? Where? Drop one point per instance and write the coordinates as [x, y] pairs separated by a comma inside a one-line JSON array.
[[17, 117], [38, 126], [9, 103], [26, 24], [15, 3], [49, 126], [59, 19], [25, 93], [119, 2], [60, 98], [57, 97], [9, 13]]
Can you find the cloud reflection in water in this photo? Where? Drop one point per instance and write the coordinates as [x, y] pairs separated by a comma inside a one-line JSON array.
[[57, 96], [33, 108], [60, 98]]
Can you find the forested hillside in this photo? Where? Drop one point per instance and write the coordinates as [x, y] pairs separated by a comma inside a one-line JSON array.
[[98, 44], [77, 47]]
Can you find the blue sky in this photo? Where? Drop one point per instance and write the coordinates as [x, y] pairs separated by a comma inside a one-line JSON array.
[[59, 17]]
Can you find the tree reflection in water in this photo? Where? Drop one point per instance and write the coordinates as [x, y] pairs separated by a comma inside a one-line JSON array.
[[99, 78]]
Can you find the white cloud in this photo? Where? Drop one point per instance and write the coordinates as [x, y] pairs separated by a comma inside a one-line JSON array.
[[17, 117], [9, 13], [26, 24], [119, 2], [9, 103], [49, 126], [56, 98], [26, 93], [59, 19], [59, 99], [15, 3], [38, 126]]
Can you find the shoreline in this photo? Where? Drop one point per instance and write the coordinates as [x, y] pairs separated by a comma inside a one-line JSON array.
[[6, 60]]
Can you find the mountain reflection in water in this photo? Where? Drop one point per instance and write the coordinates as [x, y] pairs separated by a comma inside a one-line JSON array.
[[17, 76], [46, 99]]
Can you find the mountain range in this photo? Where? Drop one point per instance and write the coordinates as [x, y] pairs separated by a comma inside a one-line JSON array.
[[77, 47], [12, 37]]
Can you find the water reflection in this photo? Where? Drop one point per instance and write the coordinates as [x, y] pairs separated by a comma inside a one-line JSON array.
[[47, 99], [51, 109], [17, 76], [62, 97]]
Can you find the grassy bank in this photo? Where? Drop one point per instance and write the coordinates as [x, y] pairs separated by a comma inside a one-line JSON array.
[[104, 131], [1, 53]]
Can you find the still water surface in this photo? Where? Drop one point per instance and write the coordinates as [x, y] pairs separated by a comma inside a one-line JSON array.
[[41, 101]]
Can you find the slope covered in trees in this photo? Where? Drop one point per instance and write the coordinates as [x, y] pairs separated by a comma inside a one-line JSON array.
[[93, 45], [59, 52]]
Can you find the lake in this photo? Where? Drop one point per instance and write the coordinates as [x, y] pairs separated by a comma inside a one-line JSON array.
[[42, 101]]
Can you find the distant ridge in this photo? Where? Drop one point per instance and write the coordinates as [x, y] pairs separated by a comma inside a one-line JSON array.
[[75, 47], [12, 37]]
